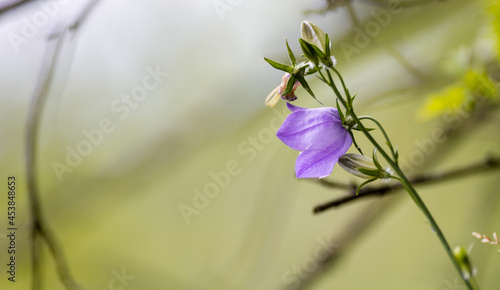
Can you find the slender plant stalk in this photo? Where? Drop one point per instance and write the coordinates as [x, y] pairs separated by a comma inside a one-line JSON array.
[[394, 165]]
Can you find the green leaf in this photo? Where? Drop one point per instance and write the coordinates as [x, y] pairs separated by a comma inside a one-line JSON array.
[[279, 66]]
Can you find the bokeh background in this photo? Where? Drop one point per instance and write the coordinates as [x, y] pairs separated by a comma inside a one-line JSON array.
[[120, 208]]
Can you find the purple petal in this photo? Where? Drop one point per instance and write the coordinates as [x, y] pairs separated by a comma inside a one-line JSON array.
[[320, 162], [294, 108], [311, 128]]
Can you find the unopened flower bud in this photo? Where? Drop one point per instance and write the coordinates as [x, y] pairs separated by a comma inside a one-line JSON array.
[[312, 34], [359, 165], [364, 167]]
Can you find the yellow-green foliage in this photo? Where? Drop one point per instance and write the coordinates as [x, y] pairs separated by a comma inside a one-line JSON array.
[[459, 96]]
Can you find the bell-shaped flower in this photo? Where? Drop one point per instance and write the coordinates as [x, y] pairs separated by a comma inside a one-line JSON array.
[[319, 135]]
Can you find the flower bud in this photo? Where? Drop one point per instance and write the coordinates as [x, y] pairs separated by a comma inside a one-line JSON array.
[[312, 34], [359, 165], [462, 259]]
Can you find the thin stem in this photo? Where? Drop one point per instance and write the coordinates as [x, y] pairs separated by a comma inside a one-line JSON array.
[[346, 91], [389, 143], [374, 212], [403, 179], [416, 198]]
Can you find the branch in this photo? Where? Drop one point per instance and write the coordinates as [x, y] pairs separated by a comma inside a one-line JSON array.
[[40, 229], [491, 163], [10, 5]]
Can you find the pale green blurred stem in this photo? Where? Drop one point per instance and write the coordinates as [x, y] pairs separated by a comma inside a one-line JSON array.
[[401, 176]]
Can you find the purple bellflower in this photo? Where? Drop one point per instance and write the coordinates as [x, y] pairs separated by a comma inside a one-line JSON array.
[[319, 135]]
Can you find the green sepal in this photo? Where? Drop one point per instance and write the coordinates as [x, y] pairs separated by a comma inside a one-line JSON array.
[[289, 85], [369, 172], [308, 89], [315, 54], [364, 184], [355, 143], [340, 111], [327, 45], [293, 60], [279, 66], [375, 160], [309, 51], [367, 129]]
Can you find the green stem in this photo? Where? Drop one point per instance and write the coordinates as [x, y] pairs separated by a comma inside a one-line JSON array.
[[402, 177], [389, 143], [416, 198]]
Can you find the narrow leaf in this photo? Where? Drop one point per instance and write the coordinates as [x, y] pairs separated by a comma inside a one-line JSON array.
[[279, 66], [290, 53]]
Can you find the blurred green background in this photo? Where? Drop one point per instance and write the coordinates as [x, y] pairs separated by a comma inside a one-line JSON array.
[[119, 209]]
